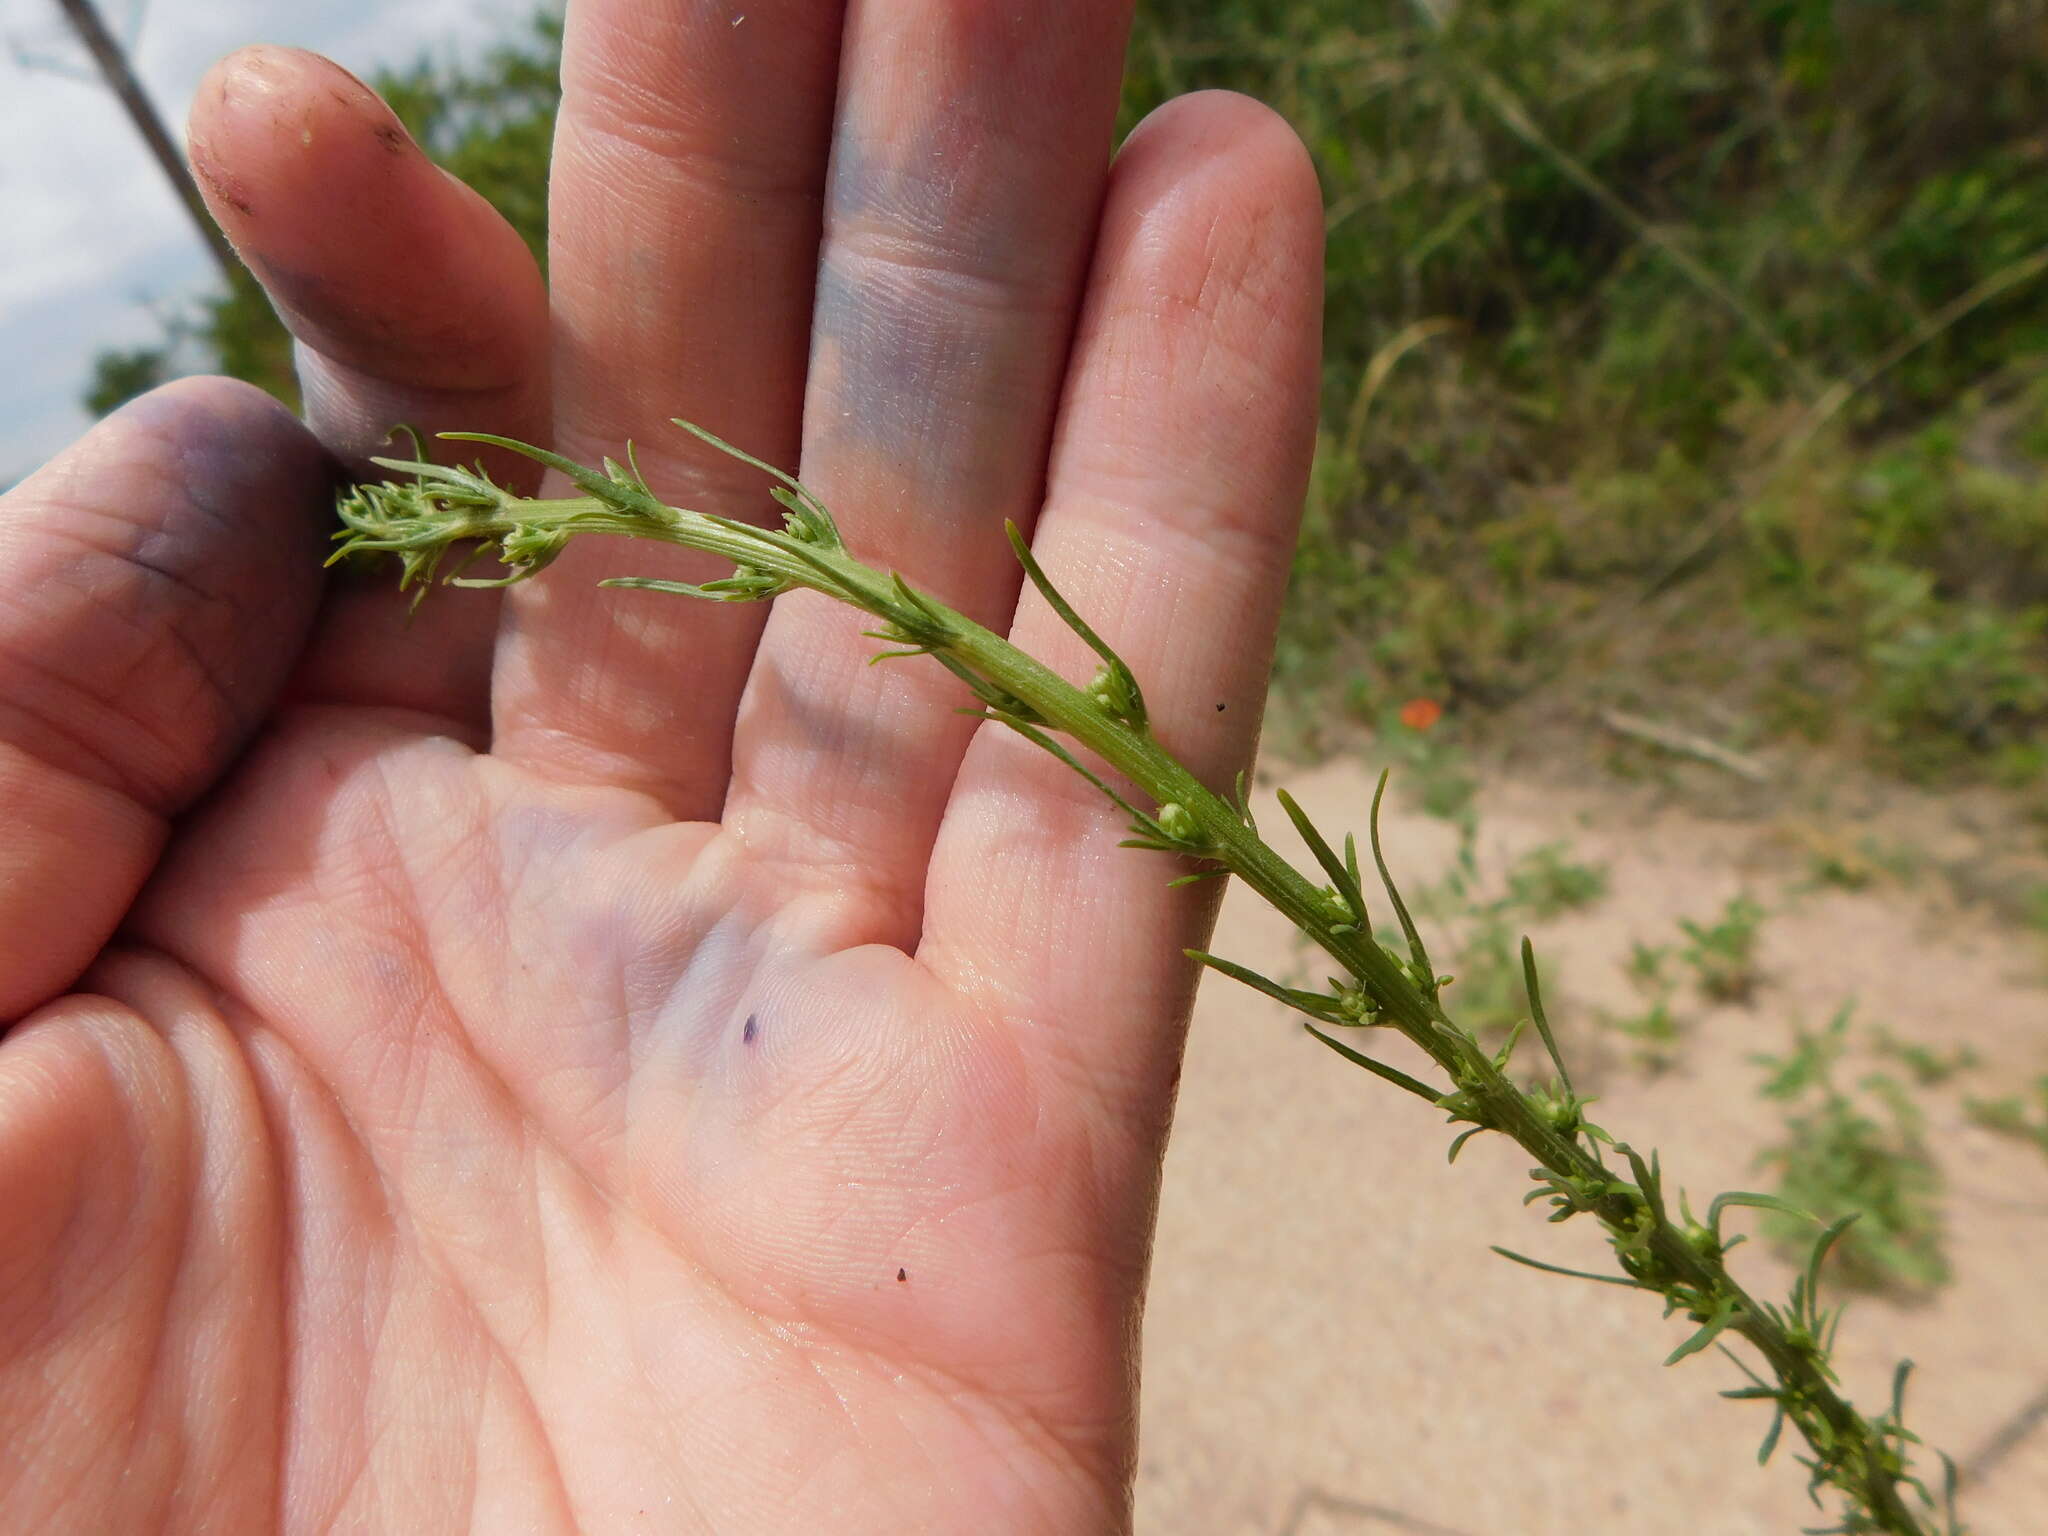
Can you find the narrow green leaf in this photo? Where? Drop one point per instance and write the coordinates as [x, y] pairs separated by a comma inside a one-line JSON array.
[[1536, 1012], [1357, 880], [1393, 1075], [1750, 1197], [1648, 1179], [1832, 1323], [1243, 805], [1821, 1245], [1506, 1053], [1458, 1144], [589, 481], [1030, 732], [1743, 1365], [1075, 622], [424, 468], [1340, 877], [730, 451], [1416, 951], [830, 579], [1576, 1274], [1313, 1004], [915, 615], [1763, 1452], [1709, 1331], [711, 591], [412, 435], [1007, 709]]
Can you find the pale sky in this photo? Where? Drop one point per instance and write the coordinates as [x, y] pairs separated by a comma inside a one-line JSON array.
[[90, 235]]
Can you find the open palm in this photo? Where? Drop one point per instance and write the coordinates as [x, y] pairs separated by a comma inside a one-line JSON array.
[[587, 1060]]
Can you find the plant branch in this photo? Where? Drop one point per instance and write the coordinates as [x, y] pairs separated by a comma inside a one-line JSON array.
[[446, 509]]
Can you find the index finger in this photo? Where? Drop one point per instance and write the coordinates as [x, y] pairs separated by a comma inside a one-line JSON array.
[[410, 300]]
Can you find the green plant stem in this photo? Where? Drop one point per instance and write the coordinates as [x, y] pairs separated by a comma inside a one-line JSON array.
[[1862, 1458]]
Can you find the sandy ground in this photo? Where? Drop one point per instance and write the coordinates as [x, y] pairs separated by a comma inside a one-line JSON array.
[[1330, 1349]]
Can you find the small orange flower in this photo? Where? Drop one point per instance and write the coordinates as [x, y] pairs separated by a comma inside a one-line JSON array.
[[1421, 714]]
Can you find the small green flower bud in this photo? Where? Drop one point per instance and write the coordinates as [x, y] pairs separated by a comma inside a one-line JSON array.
[[1114, 691], [531, 546], [1353, 1003], [1177, 822], [1563, 1116]]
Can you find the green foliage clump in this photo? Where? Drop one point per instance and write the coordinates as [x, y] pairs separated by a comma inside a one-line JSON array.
[[1616, 285], [1928, 1066], [1842, 1154], [121, 374], [1653, 327], [1929, 564], [1545, 882], [1722, 953], [1657, 1029], [1484, 925], [491, 124], [1856, 867], [2011, 1117]]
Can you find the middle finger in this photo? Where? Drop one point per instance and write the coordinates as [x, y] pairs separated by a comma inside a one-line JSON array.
[[683, 238], [968, 163]]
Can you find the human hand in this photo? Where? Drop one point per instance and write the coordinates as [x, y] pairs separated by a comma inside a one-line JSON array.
[[585, 1060]]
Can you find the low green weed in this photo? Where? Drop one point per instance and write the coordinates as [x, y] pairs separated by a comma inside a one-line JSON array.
[[1858, 866], [1486, 975], [1656, 1032], [1842, 1153], [1486, 929], [2037, 907], [1722, 953], [1438, 769], [1646, 965], [2011, 1117], [1949, 671], [1657, 1029], [1928, 1067], [1545, 882]]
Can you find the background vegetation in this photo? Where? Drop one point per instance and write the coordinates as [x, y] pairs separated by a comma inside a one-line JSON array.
[[1683, 354], [1677, 348]]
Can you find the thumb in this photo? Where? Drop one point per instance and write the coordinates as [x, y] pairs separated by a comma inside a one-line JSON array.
[[156, 583]]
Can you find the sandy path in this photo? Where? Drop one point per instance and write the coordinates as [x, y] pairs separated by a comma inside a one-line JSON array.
[[1330, 1348]]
